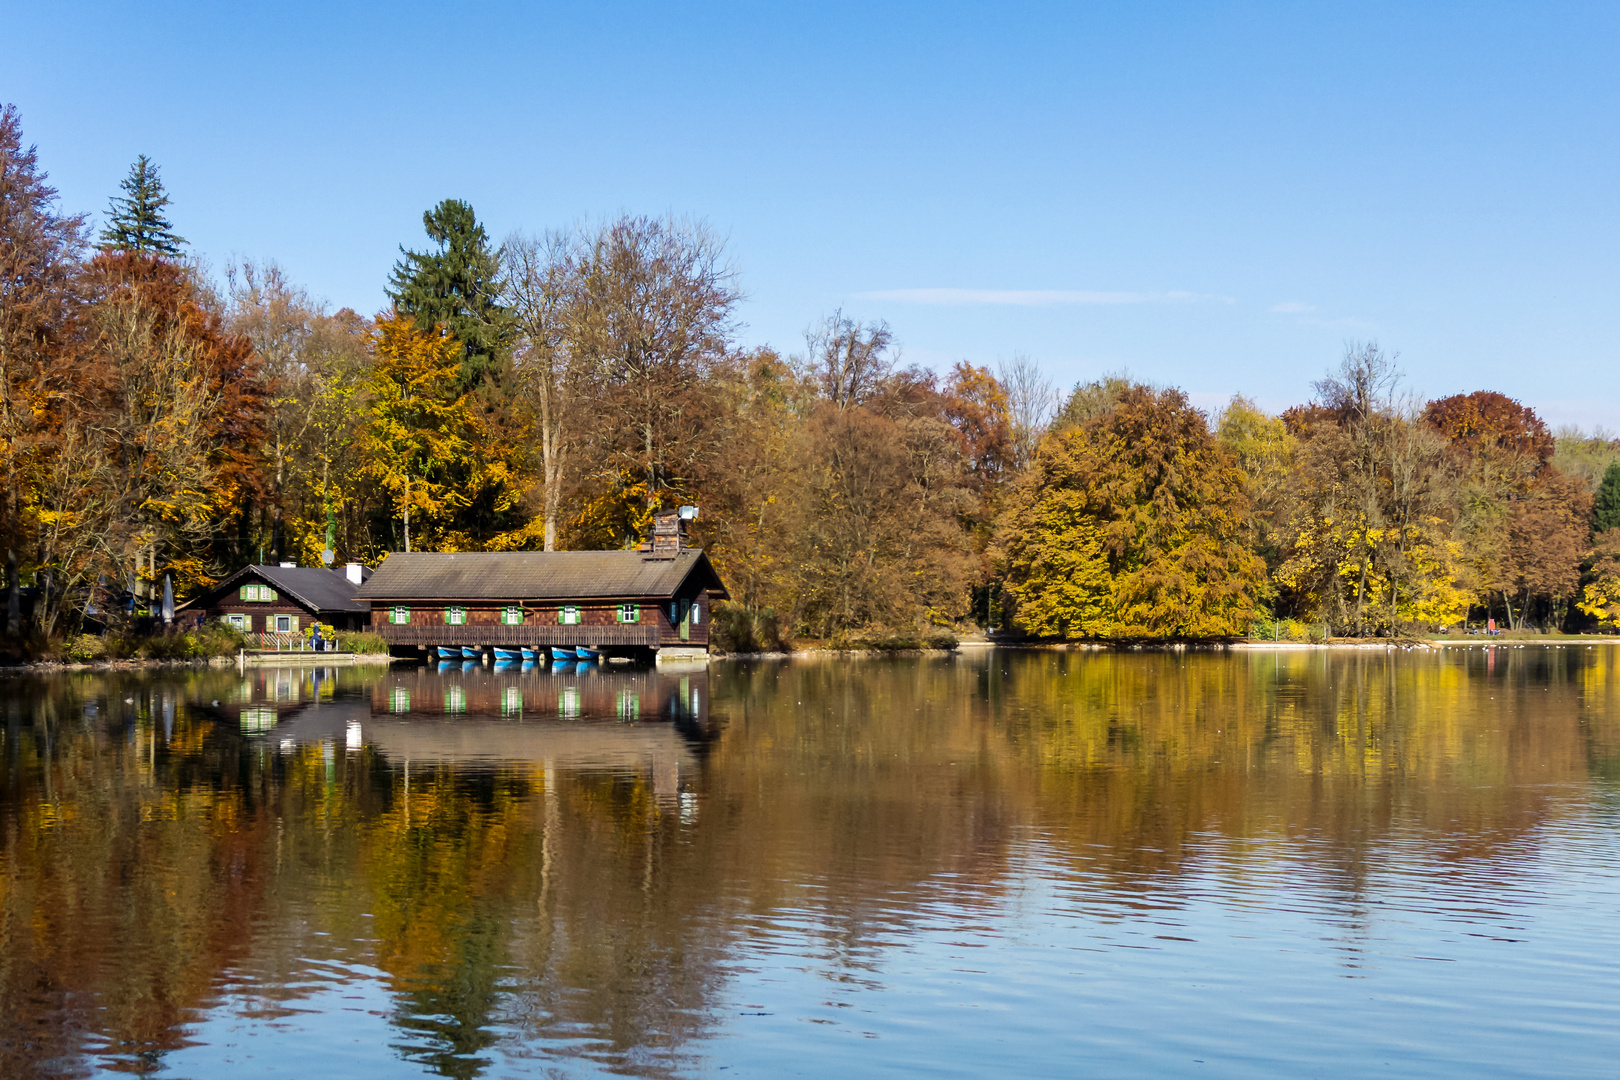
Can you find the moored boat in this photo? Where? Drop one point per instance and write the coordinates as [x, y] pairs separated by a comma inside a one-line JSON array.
[[560, 653], [530, 652], [585, 652], [470, 653], [446, 653], [508, 654]]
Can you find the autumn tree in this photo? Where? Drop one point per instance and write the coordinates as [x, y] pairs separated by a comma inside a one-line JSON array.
[[1547, 538], [135, 219], [416, 438], [656, 309], [1130, 524], [1367, 545], [41, 305], [1264, 450]]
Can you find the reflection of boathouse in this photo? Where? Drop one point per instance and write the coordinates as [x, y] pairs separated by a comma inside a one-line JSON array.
[[652, 721], [629, 602]]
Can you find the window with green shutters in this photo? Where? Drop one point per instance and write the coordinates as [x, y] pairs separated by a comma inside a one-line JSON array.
[[399, 615], [512, 615], [568, 616], [629, 613], [455, 616], [262, 594]]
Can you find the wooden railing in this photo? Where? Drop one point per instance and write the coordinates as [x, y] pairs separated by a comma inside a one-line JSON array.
[[273, 641], [484, 634]]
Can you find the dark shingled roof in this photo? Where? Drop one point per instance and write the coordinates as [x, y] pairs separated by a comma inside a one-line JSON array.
[[538, 575], [313, 587]]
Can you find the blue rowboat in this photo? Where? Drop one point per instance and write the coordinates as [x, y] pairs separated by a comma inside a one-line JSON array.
[[562, 654], [508, 654], [530, 653], [447, 654], [470, 653], [586, 653]]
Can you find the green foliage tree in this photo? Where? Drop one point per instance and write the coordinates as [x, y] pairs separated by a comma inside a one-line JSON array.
[[458, 286], [1606, 507], [135, 220], [1131, 525]]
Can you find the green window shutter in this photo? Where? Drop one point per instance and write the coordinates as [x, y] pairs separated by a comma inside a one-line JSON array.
[[512, 616], [295, 624], [629, 613], [399, 615], [455, 616]]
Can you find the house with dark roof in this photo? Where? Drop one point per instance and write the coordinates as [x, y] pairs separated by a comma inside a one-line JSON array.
[[284, 601], [637, 602]]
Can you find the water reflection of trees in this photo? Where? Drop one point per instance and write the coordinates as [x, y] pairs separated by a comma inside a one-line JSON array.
[[153, 852]]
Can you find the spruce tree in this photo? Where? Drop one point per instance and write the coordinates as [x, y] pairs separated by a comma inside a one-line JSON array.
[[1606, 507], [135, 220], [457, 285]]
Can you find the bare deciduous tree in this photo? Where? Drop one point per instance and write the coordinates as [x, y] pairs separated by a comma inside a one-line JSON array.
[[1032, 401], [848, 360], [543, 292]]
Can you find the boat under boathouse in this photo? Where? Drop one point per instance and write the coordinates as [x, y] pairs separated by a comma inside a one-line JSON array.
[[629, 603]]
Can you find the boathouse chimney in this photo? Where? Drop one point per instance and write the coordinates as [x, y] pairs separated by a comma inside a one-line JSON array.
[[668, 532]]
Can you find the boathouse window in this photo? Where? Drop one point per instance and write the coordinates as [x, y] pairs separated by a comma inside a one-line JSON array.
[[629, 613], [697, 613], [286, 624], [398, 615], [258, 593], [238, 622], [455, 616], [512, 615], [568, 616]]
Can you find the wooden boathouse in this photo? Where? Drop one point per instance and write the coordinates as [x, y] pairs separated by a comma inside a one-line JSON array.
[[629, 603]]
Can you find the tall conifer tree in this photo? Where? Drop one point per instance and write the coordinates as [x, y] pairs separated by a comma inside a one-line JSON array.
[[457, 285], [135, 220], [1606, 507]]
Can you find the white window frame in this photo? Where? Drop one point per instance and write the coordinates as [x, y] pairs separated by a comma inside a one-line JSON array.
[[284, 624], [237, 621], [569, 615], [455, 615], [399, 615], [512, 615], [629, 613]]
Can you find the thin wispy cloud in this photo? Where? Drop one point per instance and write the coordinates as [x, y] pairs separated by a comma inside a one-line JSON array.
[[1035, 297]]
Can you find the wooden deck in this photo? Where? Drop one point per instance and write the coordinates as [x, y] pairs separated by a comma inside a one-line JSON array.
[[486, 634]]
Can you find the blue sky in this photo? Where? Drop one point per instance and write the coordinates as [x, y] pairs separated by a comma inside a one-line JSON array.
[[1215, 196]]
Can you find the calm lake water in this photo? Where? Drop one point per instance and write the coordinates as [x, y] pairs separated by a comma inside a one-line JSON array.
[[1008, 863]]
